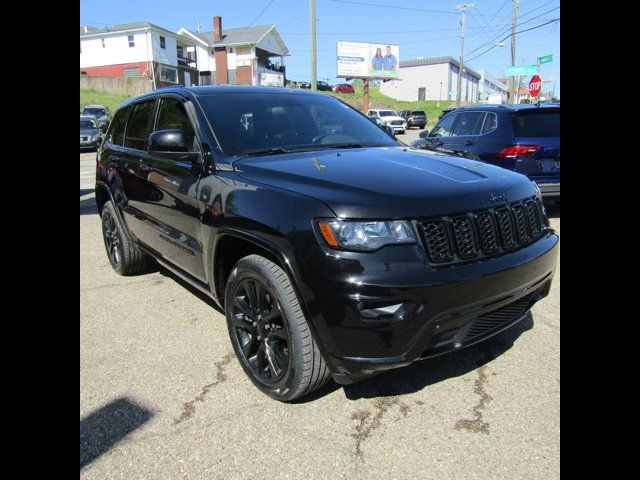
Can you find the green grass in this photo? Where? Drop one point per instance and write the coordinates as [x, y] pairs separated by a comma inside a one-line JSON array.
[[101, 98], [379, 100]]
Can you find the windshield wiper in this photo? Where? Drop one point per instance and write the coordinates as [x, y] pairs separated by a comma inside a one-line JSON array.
[[344, 145], [265, 151]]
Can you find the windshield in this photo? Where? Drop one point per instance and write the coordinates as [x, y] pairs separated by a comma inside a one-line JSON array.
[[86, 124], [417, 112], [246, 123], [387, 113], [93, 111], [537, 123]]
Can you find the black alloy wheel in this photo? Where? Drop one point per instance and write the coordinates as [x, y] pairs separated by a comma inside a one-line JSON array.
[[261, 331]]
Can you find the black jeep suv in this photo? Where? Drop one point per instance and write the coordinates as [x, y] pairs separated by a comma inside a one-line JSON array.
[[334, 250]]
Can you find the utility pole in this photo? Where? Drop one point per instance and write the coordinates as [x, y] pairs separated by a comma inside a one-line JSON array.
[[314, 66], [463, 7], [514, 24]]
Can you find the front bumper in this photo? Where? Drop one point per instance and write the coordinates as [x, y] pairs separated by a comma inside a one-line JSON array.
[[435, 307], [416, 122], [550, 191], [90, 144]]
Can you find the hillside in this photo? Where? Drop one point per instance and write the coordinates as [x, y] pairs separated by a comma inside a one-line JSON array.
[[376, 100]]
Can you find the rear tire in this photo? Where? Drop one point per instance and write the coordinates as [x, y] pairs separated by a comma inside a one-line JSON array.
[[125, 256], [267, 317]]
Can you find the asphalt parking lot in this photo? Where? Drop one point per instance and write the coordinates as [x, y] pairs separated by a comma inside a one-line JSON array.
[[162, 395]]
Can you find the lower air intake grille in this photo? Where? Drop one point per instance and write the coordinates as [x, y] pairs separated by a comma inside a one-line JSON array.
[[488, 322]]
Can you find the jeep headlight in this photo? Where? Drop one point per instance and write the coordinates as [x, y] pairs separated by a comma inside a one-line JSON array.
[[365, 235]]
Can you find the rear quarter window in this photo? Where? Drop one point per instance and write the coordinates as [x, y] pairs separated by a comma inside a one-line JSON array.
[[536, 123]]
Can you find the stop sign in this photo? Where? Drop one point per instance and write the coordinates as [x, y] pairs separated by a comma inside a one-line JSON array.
[[535, 85]]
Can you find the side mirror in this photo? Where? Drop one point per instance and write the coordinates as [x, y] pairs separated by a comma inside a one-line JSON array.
[[424, 134], [168, 141]]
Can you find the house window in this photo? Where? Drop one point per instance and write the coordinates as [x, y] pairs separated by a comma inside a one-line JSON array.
[[162, 42], [230, 49], [131, 72], [102, 42], [132, 42], [168, 74], [180, 51]]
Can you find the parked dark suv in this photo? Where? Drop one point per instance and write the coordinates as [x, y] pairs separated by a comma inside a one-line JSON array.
[[522, 138], [414, 118], [334, 250]]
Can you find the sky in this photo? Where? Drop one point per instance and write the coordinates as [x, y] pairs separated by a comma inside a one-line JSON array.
[[422, 28]]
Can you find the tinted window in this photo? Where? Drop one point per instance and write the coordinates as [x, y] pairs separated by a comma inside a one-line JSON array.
[[443, 129], [417, 112], [468, 123], [86, 124], [293, 122], [116, 130], [94, 111], [490, 122], [534, 123], [172, 115], [387, 113], [139, 126]]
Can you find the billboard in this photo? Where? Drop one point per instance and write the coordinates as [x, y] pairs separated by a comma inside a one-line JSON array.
[[368, 60], [270, 78]]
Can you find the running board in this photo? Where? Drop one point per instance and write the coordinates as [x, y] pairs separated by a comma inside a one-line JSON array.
[[186, 277]]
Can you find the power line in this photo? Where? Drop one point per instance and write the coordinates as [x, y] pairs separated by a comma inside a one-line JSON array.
[[413, 9], [260, 14], [503, 30], [508, 36]]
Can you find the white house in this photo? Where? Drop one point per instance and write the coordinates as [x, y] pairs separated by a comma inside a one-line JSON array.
[[432, 79], [138, 49], [239, 56]]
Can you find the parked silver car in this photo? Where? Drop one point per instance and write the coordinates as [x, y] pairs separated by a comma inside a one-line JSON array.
[[100, 113]]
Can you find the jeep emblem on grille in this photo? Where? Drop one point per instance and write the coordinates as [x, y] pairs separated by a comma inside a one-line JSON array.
[[498, 197]]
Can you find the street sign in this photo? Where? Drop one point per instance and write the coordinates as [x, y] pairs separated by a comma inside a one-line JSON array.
[[519, 70], [535, 85], [545, 59]]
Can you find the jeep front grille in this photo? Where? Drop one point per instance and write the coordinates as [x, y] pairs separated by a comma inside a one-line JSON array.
[[483, 233]]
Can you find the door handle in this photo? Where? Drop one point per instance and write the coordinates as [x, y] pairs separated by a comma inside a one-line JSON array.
[[468, 143]]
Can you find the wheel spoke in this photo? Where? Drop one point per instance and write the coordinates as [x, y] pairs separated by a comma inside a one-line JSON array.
[[260, 360], [271, 361], [251, 293], [249, 347], [240, 303], [240, 322], [282, 357]]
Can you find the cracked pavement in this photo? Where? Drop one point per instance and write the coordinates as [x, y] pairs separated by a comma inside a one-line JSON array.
[[162, 395]]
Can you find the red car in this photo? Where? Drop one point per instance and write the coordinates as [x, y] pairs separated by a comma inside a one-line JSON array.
[[343, 88]]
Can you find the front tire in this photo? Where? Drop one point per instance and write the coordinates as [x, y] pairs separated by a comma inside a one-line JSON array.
[[125, 256], [269, 332]]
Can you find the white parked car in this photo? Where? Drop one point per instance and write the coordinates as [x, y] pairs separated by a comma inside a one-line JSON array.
[[391, 118]]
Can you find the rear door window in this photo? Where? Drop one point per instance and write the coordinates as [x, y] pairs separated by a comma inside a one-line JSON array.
[[536, 123], [139, 126], [116, 133], [468, 123]]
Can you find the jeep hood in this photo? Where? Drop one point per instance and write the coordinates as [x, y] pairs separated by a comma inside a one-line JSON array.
[[387, 182]]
